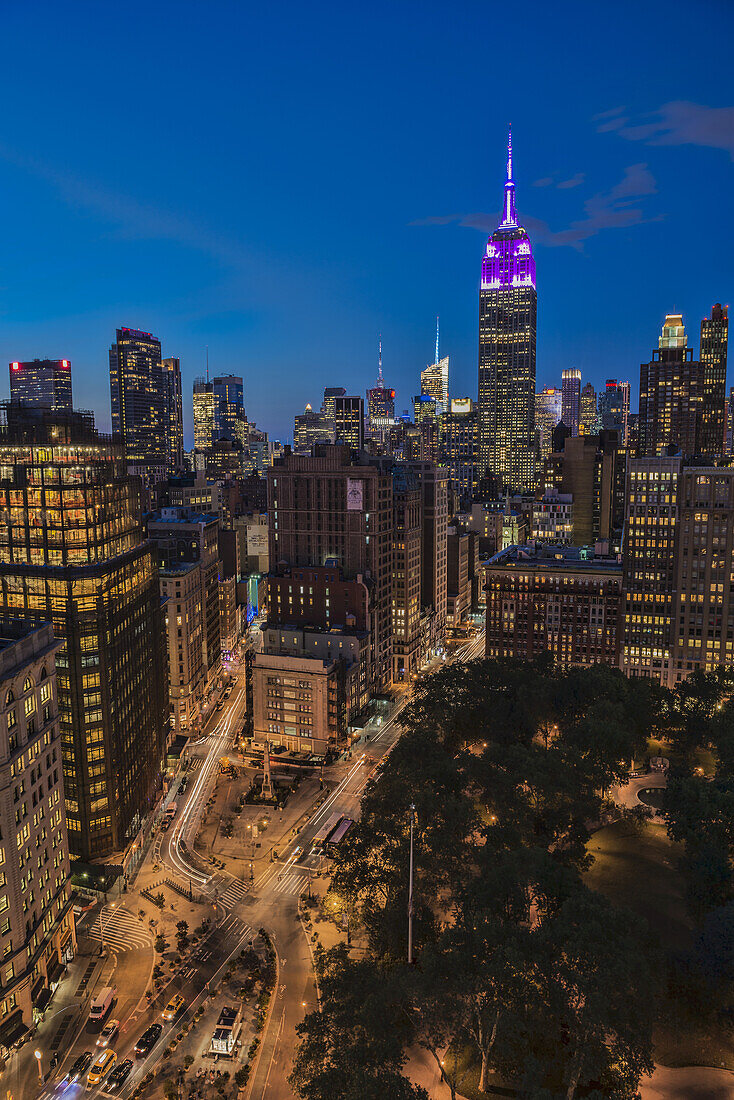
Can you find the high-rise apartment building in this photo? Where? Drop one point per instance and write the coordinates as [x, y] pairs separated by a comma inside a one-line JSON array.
[[434, 485], [37, 921], [139, 396], [181, 589], [42, 383], [349, 421], [171, 368], [592, 470], [671, 394], [548, 412], [651, 530], [714, 342], [571, 399], [588, 411], [703, 626], [72, 553], [507, 331], [185, 536], [460, 432], [334, 507], [407, 554]]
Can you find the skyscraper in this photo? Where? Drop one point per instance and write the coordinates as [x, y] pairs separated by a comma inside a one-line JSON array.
[[714, 340], [230, 407], [138, 394], [571, 399], [349, 421], [435, 379], [43, 383], [72, 553], [459, 449], [614, 407], [507, 329], [380, 406], [589, 414], [327, 405], [670, 394], [205, 415], [547, 415], [174, 414]]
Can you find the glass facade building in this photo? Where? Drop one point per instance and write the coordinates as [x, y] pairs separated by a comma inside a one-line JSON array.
[[139, 396], [72, 553], [42, 383]]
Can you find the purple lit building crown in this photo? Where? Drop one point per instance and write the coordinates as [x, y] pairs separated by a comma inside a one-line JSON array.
[[508, 261]]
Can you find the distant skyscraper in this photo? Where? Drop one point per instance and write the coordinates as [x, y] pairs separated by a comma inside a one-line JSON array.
[[547, 415], [138, 393], [380, 405], [614, 406], [589, 415], [310, 427], [714, 339], [507, 329], [174, 414], [459, 431], [435, 380], [670, 394], [43, 383], [571, 399], [349, 421], [327, 405], [230, 407], [205, 416]]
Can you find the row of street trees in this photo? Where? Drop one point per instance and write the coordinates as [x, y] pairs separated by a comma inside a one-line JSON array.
[[517, 963]]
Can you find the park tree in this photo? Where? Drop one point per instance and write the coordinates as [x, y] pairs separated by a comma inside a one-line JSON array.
[[600, 994], [354, 1047]]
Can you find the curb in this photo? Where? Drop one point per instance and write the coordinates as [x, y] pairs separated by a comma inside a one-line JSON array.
[[251, 1083], [311, 952]]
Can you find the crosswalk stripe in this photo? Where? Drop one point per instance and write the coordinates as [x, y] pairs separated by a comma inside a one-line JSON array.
[[292, 883], [120, 929]]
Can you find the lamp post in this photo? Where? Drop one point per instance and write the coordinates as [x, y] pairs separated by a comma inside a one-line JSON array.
[[410, 888], [39, 1056]]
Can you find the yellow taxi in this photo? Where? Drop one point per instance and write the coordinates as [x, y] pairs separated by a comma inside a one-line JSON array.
[[174, 1006], [101, 1067]]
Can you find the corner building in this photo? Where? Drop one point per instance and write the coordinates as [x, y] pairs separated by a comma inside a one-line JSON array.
[[508, 305], [72, 553]]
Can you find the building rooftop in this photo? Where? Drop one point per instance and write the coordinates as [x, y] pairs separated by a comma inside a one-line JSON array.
[[22, 641], [547, 556]]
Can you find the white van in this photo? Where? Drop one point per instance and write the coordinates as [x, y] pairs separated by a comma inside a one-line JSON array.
[[101, 1004]]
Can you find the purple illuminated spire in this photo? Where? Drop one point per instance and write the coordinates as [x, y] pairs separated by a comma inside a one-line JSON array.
[[510, 218], [508, 260]]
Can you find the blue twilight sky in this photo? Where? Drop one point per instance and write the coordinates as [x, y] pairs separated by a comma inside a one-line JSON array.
[[282, 182]]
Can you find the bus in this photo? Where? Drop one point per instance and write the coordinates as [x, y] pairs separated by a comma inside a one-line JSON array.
[[340, 832], [326, 830]]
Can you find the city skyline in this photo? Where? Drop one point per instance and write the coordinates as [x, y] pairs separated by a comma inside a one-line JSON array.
[[198, 254]]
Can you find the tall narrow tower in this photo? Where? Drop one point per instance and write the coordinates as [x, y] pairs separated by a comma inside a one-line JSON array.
[[507, 325]]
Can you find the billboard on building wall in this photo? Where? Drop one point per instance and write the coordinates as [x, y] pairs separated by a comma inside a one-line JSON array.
[[355, 494]]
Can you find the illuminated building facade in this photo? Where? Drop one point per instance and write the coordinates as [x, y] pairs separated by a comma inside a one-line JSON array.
[[328, 404], [44, 383], [507, 333], [547, 415], [230, 420], [571, 399], [349, 421], [174, 414], [564, 601], [36, 917], [651, 529], [181, 590], [72, 554], [406, 593], [671, 394], [139, 398], [714, 343], [589, 415], [614, 407], [460, 432], [310, 427], [205, 415], [435, 382]]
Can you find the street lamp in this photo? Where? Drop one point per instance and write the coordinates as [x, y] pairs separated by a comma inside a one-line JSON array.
[[39, 1056]]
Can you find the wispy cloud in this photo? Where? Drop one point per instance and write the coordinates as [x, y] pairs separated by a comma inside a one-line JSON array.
[[676, 123], [574, 181], [130, 219], [617, 208]]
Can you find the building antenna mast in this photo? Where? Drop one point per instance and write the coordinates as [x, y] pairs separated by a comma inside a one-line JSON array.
[[207, 362], [380, 381], [436, 360]]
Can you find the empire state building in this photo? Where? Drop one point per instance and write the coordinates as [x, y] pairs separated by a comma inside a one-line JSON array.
[[507, 322]]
